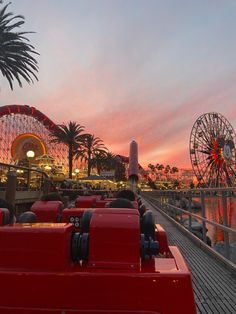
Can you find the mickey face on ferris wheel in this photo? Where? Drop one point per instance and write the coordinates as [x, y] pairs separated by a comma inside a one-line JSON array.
[[227, 152], [227, 147]]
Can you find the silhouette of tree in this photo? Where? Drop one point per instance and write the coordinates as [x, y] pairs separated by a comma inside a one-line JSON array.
[[16, 60], [71, 136], [90, 148]]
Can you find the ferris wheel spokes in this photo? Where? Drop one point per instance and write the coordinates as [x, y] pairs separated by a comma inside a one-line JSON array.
[[212, 151]]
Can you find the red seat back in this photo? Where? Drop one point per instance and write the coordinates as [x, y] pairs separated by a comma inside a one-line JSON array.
[[97, 197], [162, 239], [85, 201], [102, 203], [4, 216], [40, 246], [48, 211]]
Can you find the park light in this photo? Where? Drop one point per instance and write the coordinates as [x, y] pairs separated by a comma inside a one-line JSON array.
[[30, 154], [20, 171], [77, 171], [48, 168]]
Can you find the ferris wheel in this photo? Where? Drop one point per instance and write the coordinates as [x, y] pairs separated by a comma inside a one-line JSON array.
[[213, 151], [21, 122]]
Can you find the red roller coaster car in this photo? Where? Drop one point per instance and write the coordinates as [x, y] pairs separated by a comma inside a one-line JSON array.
[[114, 263]]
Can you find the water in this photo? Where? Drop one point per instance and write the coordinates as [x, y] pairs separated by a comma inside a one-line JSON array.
[[214, 212]]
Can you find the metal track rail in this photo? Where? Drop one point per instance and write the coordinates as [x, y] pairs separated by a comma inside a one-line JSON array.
[[214, 285]]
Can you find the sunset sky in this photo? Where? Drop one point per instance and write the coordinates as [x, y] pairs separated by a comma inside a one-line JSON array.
[[132, 69]]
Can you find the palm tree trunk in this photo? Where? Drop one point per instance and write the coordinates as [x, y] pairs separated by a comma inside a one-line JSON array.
[[89, 166], [89, 162], [98, 169], [70, 159]]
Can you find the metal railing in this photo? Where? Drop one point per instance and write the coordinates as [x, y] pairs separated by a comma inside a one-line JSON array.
[[165, 198], [26, 178]]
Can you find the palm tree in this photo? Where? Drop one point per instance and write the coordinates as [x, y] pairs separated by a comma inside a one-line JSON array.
[[120, 172], [110, 161], [167, 170], [151, 167], [16, 60], [91, 147], [98, 160], [160, 167], [71, 136], [174, 170], [113, 162]]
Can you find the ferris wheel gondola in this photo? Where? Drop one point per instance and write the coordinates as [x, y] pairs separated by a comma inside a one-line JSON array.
[[212, 151]]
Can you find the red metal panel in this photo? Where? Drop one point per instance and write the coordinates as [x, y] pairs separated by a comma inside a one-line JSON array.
[[114, 239], [4, 216], [162, 239], [73, 215], [35, 247], [106, 291], [1, 217], [54, 311], [97, 197], [102, 203], [37, 273]]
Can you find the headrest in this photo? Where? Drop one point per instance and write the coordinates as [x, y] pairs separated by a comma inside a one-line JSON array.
[[148, 225], [120, 203], [85, 221], [142, 208], [127, 194], [48, 211], [27, 217]]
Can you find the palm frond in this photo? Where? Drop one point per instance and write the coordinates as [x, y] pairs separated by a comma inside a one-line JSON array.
[[16, 60]]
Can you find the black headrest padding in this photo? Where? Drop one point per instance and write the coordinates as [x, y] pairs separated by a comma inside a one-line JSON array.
[[127, 194], [148, 225], [120, 203], [27, 217], [85, 221], [142, 208]]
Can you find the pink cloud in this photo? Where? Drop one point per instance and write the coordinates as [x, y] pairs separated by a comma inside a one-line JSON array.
[[119, 109]]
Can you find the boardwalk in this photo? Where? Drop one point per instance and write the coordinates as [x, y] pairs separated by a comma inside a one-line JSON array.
[[214, 285]]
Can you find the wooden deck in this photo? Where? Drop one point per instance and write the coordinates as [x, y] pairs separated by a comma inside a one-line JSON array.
[[214, 285]]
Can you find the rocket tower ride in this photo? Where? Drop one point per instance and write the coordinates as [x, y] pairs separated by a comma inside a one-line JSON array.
[[133, 165]]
